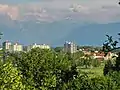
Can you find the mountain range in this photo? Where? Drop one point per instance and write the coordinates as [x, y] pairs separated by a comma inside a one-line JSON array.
[[31, 29]]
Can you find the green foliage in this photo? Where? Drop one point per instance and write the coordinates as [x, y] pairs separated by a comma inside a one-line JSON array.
[[1, 34], [103, 83], [109, 46], [95, 63], [85, 61], [58, 49], [10, 78], [118, 62], [41, 69], [115, 77], [108, 67], [44, 68], [83, 82]]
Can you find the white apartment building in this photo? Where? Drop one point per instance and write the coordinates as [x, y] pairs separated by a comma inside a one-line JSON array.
[[17, 47], [70, 47], [42, 46], [7, 46]]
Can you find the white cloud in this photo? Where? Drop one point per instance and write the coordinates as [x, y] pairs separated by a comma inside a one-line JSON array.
[[11, 11], [79, 8], [97, 11]]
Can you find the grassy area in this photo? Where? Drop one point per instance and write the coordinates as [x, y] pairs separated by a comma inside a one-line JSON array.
[[96, 71]]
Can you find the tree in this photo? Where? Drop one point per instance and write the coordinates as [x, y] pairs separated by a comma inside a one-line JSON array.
[[110, 45], [10, 78], [87, 61], [118, 62], [108, 67], [58, 49], [115, 77], [1, 34], [103, 83], [45, 69], [84, 82], [95, 62], [1, 52]]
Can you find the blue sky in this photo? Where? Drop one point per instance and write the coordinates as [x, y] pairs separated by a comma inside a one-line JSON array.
[[54, 21]]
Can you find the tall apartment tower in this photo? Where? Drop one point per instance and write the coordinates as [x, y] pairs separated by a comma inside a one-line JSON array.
[[7, 46], [10, 47], [70, 47]]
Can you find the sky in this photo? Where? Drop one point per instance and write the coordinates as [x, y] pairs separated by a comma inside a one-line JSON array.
[[85, 22]]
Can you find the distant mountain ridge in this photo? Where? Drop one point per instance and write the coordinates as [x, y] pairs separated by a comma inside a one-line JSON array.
[[56, 33]]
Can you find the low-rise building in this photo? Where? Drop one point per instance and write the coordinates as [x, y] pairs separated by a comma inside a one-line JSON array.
[[98, 55], [42, 46]]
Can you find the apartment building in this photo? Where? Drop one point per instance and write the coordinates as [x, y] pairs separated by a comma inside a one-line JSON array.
[[7, 46], [42, 46], [10, 47], [70, 47], [17, 47]]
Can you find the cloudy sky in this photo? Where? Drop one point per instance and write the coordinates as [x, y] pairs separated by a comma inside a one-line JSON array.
[[54, 21]]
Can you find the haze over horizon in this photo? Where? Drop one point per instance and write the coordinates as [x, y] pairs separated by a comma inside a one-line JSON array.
[[56, 21]]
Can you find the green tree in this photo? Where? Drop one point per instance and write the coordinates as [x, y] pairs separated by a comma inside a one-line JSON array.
[[1, 35], [118, 62], [95, 62], [87, 61], [45, 69], [115, 77], [58, 49], [103, 83], [10, 78], [110, 46], [108, 67]]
